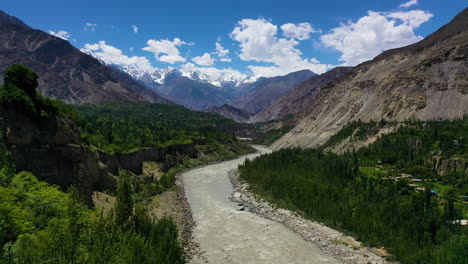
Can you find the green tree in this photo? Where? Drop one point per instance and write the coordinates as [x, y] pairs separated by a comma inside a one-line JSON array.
[[124, 204], [23, 78]]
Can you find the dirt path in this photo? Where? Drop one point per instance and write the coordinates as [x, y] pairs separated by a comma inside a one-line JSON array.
[[227, 235]]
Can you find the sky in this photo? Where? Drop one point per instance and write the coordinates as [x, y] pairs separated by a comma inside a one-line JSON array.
[[257, 38]]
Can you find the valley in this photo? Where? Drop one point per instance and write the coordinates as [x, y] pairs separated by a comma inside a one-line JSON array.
[[131, 140], [226, 234]]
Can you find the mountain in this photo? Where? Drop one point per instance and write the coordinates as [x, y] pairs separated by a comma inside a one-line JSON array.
[[66, 73], [264, 93], [192, 94], [426, 80], [192, 89], [231, 112], [301, 96]]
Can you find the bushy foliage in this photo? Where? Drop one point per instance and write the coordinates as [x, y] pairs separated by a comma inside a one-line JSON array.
[[19, 93], [41, 224]]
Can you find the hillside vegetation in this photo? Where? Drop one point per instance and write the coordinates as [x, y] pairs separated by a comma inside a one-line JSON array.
[[39, 223], [390, 193]]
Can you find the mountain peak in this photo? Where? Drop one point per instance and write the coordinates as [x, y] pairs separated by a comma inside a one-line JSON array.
[[5, 18]]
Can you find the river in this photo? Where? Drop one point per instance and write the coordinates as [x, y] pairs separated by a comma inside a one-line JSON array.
[[227, 235]]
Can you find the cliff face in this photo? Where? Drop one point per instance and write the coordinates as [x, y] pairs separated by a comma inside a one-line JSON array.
[[426, 80], [66, 73], [51, 149]]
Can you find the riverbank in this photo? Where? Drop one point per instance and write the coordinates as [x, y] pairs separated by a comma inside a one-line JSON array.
[[330, 241]]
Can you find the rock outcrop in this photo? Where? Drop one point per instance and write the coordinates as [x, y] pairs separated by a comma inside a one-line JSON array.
[[50, 147], [426, 80]]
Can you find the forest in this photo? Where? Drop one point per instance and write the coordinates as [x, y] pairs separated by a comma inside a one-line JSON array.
[[124, 127], [359, 192]]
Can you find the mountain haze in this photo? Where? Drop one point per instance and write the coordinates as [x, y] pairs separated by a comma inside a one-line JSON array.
[[300, 97], [231, 112], [266, 92]]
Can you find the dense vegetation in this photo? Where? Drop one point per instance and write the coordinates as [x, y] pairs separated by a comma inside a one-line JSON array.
[[124, 127], [39, 223], [345, 192]]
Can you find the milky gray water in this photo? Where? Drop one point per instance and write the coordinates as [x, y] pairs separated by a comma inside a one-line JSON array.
[[227, 235]]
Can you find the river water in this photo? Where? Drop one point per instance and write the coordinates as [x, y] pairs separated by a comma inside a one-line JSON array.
[[226, 235]]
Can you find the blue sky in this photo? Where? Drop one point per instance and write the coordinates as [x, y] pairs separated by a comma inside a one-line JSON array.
[[263, 37]]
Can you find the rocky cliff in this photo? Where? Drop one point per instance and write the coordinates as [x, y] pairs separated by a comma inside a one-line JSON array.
[[50, 147], [66, 73], [426, 80]]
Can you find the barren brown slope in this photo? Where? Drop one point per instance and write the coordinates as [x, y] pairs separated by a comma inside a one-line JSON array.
[[426, 80], [299, 97], [65, 72]]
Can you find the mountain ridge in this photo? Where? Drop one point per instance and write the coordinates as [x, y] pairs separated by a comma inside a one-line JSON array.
[[426, 80], [66, 73]]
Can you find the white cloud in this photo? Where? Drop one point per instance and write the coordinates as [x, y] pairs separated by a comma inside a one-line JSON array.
[[259, 42], [413, 18], [222, 52], [409, 3], [131, 48], [135, 29], [90, 26], [298, 31], [60, 34], [113, 55], [370, 35], [165, 50], [204, 60]]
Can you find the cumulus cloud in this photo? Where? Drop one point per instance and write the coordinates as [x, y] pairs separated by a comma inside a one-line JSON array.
[[221, 52], [204, 60], [165, 50], [60, 34], [298, 31], [259, 42], [113, 55], [90, 26], [370, 35], [135, 29], [409, 3]]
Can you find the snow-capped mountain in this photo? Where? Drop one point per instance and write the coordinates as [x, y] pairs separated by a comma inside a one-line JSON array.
[[228, 78]]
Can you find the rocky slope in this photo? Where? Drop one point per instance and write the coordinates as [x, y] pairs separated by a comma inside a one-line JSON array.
[[231, 112], [300, 97], [66, 73], [426, 80], [267, 91]]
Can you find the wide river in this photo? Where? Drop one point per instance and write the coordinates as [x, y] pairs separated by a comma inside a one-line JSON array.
[[227, 235]]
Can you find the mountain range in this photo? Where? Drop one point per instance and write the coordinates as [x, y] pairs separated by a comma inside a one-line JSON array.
[[66, 73]]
